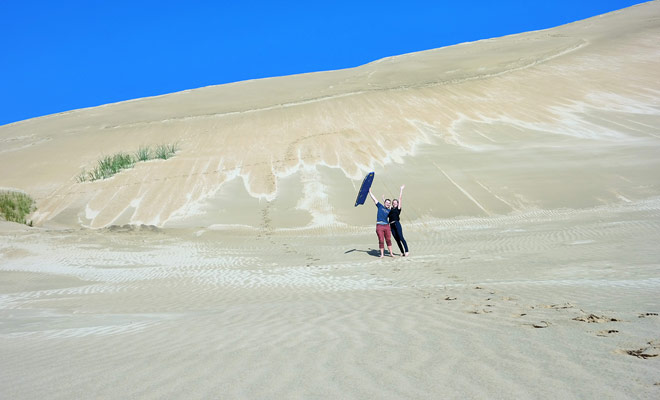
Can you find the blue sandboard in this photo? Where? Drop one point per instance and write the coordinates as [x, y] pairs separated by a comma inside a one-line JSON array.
[[364, 189]]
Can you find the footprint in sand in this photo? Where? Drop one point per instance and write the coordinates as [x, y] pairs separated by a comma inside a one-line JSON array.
[[651, 350], [593, 318], [607, 332], [648, 314], [558, 306], [538, 325], [482, 311], [481, 288]]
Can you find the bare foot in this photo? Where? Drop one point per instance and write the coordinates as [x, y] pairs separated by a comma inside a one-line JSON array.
[[406, 255]]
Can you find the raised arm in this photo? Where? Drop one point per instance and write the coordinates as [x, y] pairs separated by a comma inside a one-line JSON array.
[[373, 197], [401, 195]]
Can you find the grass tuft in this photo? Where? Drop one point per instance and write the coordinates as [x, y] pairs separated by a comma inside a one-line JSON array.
[[165, 151], [14, 206], [143, 153], [110, 165], [82, 176]]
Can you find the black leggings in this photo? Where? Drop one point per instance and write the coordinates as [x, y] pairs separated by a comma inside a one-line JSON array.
[[398, 235]]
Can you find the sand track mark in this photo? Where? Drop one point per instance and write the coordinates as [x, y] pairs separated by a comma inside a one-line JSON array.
[[465, 192], [514, 66], [650, 350], [593, 318]]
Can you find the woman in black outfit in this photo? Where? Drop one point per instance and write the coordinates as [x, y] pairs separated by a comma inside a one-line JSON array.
[[395, 225]]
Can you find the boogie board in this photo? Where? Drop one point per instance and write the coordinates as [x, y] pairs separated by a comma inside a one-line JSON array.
[[364, 189]]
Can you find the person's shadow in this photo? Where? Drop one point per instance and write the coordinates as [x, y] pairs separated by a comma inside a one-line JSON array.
[[371, 252]]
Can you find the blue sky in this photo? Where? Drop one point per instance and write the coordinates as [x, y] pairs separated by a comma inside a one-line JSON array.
[[62, 55]]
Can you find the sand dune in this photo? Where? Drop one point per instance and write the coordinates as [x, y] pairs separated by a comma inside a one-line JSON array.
[[239, 268], [565, 117]]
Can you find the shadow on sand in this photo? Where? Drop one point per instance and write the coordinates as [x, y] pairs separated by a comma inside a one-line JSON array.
[[371, 252]]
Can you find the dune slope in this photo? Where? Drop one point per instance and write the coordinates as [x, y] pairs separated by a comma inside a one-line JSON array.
[[561, 118]]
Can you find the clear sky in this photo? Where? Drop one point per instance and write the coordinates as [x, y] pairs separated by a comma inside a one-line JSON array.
[[62, 55]]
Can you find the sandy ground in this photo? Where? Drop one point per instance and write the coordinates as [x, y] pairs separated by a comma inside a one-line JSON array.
[[485, 308], [239, 268]]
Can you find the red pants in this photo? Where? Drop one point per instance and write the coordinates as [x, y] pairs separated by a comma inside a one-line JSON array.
[[384, 234]]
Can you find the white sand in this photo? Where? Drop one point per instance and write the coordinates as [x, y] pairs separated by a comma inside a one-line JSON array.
[[144, 314], [532, 201]]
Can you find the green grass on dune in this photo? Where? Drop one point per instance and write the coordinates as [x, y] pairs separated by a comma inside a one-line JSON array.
[[15, 206], [110, 165], [165, 151], [143, 153]]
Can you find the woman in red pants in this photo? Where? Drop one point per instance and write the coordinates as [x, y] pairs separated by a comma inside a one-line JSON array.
[[382, 226]]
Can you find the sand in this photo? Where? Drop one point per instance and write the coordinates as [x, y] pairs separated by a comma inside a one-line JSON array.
[[485, 308], [239, 268]]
